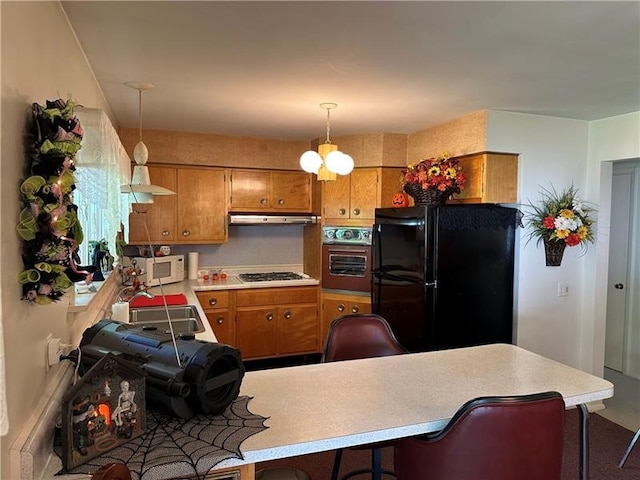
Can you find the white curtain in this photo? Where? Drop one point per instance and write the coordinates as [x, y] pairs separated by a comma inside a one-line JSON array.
[[102, 165]]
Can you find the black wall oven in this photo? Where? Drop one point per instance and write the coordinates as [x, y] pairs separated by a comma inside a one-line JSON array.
[[346, 258]]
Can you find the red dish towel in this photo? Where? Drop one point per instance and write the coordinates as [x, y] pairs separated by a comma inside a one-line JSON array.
[[157, 301]]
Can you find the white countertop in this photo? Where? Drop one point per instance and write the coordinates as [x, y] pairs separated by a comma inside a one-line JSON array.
[[327, 406], [233, 282]]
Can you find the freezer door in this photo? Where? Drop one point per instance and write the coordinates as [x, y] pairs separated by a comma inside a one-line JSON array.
[[475, 272]]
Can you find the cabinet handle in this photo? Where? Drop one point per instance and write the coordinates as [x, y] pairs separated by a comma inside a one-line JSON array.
[[342, 211], [341, 307], [263, 201], [281, 202], [186, 233], [355, 309], [269, 316], [619, 286], [220, 320], [165, 233], [287, 314], [213, 301], [356, 211]]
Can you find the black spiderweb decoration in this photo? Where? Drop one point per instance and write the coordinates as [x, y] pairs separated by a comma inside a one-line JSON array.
[[173, 447]]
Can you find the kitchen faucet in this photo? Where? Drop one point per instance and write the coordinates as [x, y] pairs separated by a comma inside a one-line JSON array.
[[142, 293]]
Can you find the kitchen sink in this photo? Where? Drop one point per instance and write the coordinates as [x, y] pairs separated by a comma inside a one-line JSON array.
[[184, 318]]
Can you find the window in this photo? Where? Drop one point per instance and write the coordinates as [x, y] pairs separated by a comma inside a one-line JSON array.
[[102, 165]]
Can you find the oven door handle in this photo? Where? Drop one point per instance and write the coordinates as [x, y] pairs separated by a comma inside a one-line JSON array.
[[345, 251]]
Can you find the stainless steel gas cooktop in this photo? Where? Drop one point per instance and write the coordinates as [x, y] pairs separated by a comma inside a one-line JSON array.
[[270, 276]]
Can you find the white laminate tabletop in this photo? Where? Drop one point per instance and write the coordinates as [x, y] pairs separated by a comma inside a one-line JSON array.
[[321, 407]]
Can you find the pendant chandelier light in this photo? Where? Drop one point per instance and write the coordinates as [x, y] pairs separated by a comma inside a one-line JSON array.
[[140, 190], [328, 160]]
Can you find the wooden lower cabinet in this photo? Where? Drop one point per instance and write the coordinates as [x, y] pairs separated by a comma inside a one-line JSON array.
[[335, 305], [217, 306], [242, 472], [277, 321]]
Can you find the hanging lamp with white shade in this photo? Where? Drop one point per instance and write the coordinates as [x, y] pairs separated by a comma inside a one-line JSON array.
[[140, 189], [328, 160]]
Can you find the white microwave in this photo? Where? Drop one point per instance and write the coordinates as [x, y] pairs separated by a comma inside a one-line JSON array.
[[168, 269]]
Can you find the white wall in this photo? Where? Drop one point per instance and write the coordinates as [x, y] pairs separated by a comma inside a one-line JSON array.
[[41, 61], [561, 152], [610, 139], [553, 151]]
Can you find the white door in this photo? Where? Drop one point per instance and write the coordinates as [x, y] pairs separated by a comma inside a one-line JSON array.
[[622, 184]]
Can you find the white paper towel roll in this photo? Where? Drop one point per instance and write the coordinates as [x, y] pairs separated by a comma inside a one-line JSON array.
[[120, 312], [193, 265]]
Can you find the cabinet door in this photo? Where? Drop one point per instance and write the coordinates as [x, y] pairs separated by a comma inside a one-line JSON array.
[[256, 332], [364, 193], [335, 307], [291, 191], [335, 198], [201, 206], [160, 216], [222, 325], [297, 329], [473, 167], [491, 178], [249, 190], [216, 306]]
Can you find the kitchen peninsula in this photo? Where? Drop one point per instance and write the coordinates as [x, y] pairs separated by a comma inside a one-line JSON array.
[[342, 404]]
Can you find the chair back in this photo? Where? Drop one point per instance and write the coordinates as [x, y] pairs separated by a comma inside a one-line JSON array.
[[357, 336], [491, 438], [112, 471]]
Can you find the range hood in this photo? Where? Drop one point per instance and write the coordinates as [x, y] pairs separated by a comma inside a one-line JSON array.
[[262, 219]]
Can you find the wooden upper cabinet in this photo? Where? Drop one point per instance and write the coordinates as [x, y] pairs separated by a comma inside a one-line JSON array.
[[352, 199], [249, 190], [160, 216], [364, 193], [196, 214], [491, 178], [266, 191], [291, 191], [201, 205]]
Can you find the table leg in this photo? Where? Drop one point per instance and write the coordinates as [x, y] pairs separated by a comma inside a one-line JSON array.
[[583, 414]]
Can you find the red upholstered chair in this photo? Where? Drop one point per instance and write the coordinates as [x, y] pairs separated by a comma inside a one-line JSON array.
[[112, 471], [353, 337], [490, 438]]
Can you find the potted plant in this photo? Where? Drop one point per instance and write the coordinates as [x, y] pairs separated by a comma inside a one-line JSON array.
[[560, 220], [433, 180]]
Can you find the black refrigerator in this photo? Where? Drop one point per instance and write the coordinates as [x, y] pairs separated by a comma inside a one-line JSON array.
[[443, 276]]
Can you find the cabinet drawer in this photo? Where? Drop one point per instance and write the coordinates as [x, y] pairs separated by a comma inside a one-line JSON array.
[[213, 299], [276, 296]]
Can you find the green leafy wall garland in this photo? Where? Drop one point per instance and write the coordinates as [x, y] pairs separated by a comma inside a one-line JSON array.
[[49, 225]]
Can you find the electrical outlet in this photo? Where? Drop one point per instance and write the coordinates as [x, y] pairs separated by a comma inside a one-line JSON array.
[[54, 350], [563, 289]]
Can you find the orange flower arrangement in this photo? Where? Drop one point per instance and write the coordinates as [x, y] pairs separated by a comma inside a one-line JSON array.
[[442, 174]]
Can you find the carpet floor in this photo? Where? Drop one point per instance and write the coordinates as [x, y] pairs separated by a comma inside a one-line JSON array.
[[607, 444]]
